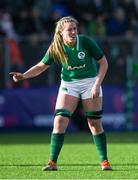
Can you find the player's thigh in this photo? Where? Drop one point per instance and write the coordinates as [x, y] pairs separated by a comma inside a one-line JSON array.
[[68, 102], [92, 104]]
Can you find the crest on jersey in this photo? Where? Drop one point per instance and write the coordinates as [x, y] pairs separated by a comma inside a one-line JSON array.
[[81, 55]]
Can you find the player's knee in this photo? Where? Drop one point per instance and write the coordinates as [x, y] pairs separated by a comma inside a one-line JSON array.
[[96, 115], [63, 112]]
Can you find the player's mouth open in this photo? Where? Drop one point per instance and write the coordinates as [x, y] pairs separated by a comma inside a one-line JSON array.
[[73, 38]]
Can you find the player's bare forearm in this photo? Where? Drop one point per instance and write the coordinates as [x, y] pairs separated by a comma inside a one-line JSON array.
[[30, 73], [35, 70], [103, 66]]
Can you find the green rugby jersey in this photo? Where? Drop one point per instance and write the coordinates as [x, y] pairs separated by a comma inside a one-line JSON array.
[[81, 59]]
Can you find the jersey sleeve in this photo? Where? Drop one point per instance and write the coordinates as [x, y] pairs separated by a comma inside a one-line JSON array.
[[47, 59], [94, 49]]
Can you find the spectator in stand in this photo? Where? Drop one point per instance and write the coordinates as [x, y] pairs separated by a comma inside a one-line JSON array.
[[43, 10], [58, 11], [25, 23], [128, 6], [117, 23], [95, 24], [15, 57]]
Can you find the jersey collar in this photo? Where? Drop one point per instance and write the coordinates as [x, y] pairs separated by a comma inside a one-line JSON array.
[[77, 39]]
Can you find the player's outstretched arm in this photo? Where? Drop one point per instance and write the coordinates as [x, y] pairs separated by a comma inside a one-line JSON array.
[[32, 72]]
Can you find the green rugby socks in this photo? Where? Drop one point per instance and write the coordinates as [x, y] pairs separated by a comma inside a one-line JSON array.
[[101, 145], [57, 141], [56, 145]]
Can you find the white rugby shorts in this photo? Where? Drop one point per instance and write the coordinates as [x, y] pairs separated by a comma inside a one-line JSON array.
[[80, 88]]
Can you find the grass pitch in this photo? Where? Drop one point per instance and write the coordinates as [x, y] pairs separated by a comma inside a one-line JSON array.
[[22, 156]]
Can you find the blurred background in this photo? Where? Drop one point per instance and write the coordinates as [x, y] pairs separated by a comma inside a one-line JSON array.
[[26, 30]]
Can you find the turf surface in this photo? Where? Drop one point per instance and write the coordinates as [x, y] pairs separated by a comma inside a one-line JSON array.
[[22, 156]]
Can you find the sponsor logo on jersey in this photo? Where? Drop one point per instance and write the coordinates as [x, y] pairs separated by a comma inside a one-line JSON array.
[[81, 55], [76, 67]]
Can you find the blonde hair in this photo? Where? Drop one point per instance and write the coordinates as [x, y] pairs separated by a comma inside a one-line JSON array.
[[56, 50]]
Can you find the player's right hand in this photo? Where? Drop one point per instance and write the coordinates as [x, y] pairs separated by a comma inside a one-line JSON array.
[[17, 76]]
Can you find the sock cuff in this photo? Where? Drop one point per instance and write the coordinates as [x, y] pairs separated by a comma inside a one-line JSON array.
[[99, 135]]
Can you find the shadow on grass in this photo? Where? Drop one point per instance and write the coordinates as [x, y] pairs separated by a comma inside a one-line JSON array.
[[75, 167], [70, 164], [96, 164]]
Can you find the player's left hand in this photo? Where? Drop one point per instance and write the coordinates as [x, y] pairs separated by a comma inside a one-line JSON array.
[[95, 91]]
